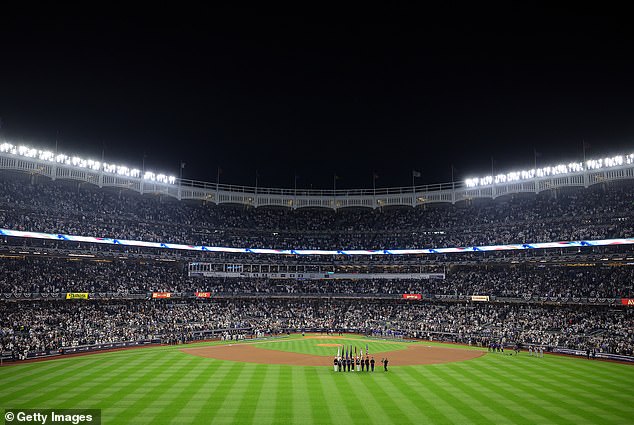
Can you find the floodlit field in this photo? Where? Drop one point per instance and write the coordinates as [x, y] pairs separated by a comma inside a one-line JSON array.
[[162, 385]]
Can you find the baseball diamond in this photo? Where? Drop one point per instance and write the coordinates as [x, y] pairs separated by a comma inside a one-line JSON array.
[[411, 355], [234, 382]]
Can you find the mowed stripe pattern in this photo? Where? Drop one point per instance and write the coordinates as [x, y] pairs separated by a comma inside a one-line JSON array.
[[164, 386]]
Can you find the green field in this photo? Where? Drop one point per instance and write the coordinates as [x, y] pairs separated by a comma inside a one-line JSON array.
[[161, 385]]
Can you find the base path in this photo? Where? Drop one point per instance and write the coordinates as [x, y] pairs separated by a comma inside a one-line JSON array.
[[413, 355]]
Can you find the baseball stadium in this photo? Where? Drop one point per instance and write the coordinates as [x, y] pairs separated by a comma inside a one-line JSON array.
[[152, 299]]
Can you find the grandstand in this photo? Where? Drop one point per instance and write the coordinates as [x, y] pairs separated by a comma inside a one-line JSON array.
[[269, 261]]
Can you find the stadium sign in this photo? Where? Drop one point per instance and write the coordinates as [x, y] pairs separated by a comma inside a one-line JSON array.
[[161, 294], [479, 298], [203, 294], [412, 296], [628, 301], [77, 295]]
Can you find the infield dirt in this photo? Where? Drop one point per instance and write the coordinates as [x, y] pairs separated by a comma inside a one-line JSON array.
[[412, 355]]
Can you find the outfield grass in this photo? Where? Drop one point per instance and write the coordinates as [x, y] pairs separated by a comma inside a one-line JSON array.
[[164, 386]]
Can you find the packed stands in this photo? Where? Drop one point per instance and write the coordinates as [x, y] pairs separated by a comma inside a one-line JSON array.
[[556, 298]]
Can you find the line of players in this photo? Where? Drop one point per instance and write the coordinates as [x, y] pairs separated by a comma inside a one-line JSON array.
[[537, 351], [358, 363]]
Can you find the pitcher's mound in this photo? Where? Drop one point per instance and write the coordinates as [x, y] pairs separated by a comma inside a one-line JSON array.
[[413, 355]]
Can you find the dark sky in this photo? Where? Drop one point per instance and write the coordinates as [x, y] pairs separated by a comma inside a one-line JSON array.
[[286, 96]]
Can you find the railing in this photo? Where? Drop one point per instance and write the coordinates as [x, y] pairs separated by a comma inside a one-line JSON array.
[[311, 198]]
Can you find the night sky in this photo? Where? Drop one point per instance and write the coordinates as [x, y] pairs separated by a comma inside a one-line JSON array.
[[290, 97]]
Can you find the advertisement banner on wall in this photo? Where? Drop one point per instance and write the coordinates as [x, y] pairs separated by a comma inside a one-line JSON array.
[[77, 295], [479, 298]]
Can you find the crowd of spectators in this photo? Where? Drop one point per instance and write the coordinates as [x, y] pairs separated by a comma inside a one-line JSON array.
[[37, 326], [32, 203], [60, 275], [68, 207]]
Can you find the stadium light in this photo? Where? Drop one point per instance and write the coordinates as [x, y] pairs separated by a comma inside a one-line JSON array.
[[550, 171], [78, 162]]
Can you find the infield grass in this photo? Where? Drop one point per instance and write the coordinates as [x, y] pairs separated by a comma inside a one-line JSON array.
[[328, 346], [161, 385]]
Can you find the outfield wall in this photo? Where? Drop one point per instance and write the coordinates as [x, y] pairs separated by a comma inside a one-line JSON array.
[[211, 333]]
